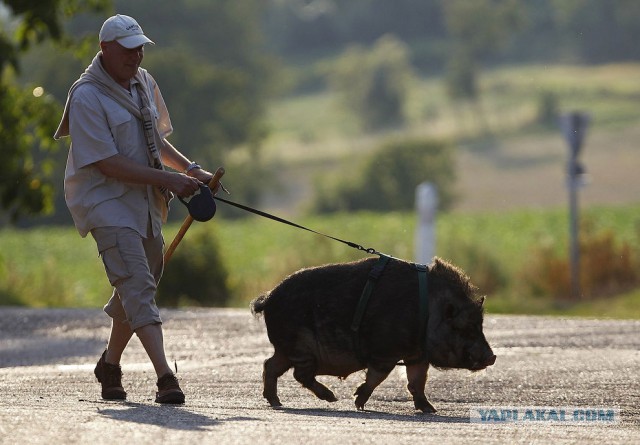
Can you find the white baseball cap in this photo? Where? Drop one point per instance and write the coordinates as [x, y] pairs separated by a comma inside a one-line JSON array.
[[125, 30]]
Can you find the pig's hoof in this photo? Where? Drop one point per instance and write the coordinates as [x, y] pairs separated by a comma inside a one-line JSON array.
[[275, 403], [362, 396], [425, 407], [327, 395]]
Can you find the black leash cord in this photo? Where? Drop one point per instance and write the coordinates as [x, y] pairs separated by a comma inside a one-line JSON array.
[[284, 221]]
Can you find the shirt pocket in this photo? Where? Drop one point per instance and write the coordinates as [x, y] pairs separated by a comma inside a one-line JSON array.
[[117, 117], [114, 265], [120, 127]]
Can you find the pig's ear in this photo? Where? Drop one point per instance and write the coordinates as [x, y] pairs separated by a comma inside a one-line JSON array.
[[481, 301]]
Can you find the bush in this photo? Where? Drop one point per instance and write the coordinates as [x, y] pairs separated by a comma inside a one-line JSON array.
[[480, 264], [607, 267], [195, 274], [388, 178]]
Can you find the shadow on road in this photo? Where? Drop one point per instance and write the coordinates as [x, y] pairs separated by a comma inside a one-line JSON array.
[[377, 415], [42, 350], [174, 417]]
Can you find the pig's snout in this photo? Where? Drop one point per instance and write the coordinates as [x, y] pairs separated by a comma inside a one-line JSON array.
[[482, 364], [490, 360]]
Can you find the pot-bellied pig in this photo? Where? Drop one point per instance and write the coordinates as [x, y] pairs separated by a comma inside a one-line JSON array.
[[319, 325]]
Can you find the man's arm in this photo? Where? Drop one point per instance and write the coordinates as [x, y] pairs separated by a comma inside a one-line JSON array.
[[123, 169], [172, 157]]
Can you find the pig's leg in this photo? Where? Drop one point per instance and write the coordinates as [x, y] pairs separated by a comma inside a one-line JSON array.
[[274, 367], [305, 373], [373, 379], [417, 378]]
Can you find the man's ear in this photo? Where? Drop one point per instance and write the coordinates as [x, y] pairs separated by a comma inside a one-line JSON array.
[[104, 47]]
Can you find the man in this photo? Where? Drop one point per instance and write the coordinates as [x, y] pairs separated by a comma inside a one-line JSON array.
[[117, 189]]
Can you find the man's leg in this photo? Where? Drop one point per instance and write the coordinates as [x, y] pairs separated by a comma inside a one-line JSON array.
[[108, 370], [152, 339], [169, 390], [134, 267], [119, 338]]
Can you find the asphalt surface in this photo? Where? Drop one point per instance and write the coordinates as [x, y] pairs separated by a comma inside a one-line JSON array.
[[49, 395]]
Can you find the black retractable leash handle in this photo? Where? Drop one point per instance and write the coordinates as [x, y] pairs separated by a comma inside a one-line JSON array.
[[201, 206]]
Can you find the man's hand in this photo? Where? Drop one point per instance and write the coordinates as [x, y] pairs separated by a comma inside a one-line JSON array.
[[203, 176], [182, 185]]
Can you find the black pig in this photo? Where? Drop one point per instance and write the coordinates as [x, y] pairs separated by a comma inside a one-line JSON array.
[[309, 317]]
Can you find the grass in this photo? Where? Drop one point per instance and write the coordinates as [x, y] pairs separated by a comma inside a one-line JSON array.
[[55, 267]]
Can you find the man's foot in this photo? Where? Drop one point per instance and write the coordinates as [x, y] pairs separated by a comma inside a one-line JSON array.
[[169, 390], [110, 376]]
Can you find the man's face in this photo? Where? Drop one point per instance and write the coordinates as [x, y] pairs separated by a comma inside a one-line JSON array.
[[121, 63]]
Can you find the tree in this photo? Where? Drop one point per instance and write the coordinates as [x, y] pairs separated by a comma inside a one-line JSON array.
[[600, 30], [27, 115], [375, 83], [477, 29]]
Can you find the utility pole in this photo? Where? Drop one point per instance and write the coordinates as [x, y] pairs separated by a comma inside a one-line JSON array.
[[574, 126]]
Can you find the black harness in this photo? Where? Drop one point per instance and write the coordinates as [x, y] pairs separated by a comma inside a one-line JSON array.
[[374, 275]]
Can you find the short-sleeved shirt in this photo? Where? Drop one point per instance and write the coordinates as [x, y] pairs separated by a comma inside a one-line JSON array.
[[101, 128]]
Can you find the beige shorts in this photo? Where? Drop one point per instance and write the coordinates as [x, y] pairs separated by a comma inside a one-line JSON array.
[[134, 267]]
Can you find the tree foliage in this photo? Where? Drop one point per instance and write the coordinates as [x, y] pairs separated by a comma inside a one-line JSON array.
[[300, 27], [375, 83], [599, 30], [477, 29], [388, 177], [27, 116], [589, 30], [26, 125]]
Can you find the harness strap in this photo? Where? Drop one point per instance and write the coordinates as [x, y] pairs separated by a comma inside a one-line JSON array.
[[424, 306], [374, 274]]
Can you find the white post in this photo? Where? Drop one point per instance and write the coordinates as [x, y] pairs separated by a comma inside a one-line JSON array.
[[426, 207]]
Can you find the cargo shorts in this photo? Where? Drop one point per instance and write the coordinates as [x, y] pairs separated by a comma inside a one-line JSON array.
[[134, 266]]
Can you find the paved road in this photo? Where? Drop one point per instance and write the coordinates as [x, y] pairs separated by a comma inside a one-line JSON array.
[[48, 393]]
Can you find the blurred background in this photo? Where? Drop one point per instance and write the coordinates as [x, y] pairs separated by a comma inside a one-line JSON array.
[[331, 113]]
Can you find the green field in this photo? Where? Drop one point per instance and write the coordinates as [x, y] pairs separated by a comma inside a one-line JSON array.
[[506, 159], [55, 267], [511, 188]]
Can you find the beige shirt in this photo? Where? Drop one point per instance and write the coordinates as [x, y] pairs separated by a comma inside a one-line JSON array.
[[101, 128]]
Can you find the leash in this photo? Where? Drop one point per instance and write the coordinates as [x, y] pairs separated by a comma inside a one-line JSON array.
[[284, 221]]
